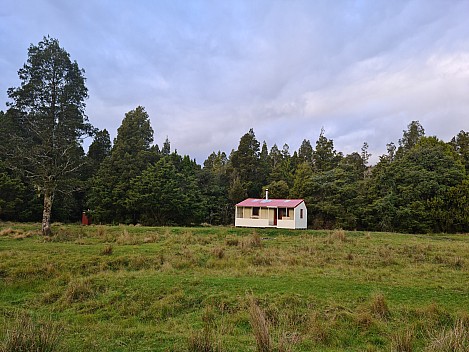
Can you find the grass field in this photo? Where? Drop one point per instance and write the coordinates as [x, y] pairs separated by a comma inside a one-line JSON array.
[[125, 288]]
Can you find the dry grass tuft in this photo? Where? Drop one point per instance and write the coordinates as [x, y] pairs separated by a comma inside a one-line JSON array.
[[107, 250], [151, 238], [219, 252], [26, 334], [203, 341], [232, 242], [379, 306], [22, 235], [127, 238], [260, 326], [17, 234], [457, 263], [7, 231], [251, 241], [79, 290], [317, 329], [100, 231], [402, 341], [338, 235], [453, 340]]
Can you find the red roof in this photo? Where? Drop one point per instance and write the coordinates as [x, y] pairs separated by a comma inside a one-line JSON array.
[[270, 203]]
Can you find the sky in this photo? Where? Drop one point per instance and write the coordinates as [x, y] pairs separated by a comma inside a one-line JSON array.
[[208, 71]]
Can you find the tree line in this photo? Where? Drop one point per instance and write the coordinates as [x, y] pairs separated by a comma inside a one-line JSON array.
[[420, 185]]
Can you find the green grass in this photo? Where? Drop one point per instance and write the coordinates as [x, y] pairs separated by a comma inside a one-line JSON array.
[[130, 288]]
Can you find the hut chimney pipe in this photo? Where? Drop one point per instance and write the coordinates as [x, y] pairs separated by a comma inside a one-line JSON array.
[[266, 194]]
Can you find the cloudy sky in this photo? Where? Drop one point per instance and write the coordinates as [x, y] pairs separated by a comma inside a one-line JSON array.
[[208, 71]]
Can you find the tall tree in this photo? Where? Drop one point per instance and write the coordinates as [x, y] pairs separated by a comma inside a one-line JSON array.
[[245, 161], [214, 184], [325, 157], [130, 155], [410, 138], [100, 148], [305, 153], [167, 192], [48, 110], [166, 150], [460, 144]]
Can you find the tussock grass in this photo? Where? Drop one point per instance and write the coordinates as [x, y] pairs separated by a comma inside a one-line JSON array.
[[107, 250], [402, 341], [455, 339], [379, 306], [7, 231], [79, 290], [203, 341], [254, 240], [17, 234], [219, 252], [260, 326], [25, 334]]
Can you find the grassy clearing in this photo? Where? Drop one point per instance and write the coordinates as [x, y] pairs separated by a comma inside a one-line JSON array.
[[126, 288]]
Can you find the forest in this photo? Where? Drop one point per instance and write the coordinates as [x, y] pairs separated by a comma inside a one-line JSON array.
[[420, 185]]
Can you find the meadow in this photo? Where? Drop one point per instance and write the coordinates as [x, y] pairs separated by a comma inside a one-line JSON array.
[[135, 288]]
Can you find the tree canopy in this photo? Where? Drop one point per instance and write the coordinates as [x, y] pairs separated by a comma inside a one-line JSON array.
[[47, 116]]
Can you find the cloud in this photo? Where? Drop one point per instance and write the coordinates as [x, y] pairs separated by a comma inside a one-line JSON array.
[[208, 71]]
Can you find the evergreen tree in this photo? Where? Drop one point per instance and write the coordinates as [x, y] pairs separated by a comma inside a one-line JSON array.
[[167, 193], [214, 184], [48, 111], [410, 138], [237, 191], [460, 143], [325, 157], [264, 164], [99, 149], [277, 189], [305, 153], [130, 155], [245, 161], [166, 150], [412, 193]]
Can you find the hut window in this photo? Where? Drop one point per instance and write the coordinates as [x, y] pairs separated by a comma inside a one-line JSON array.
[[301, 213], [255, 211]]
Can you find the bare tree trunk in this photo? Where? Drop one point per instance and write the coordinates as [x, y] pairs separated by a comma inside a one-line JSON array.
[[48, 197]]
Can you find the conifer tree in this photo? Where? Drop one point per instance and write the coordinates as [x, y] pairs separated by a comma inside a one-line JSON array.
[[48, 111], [130, 155]]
